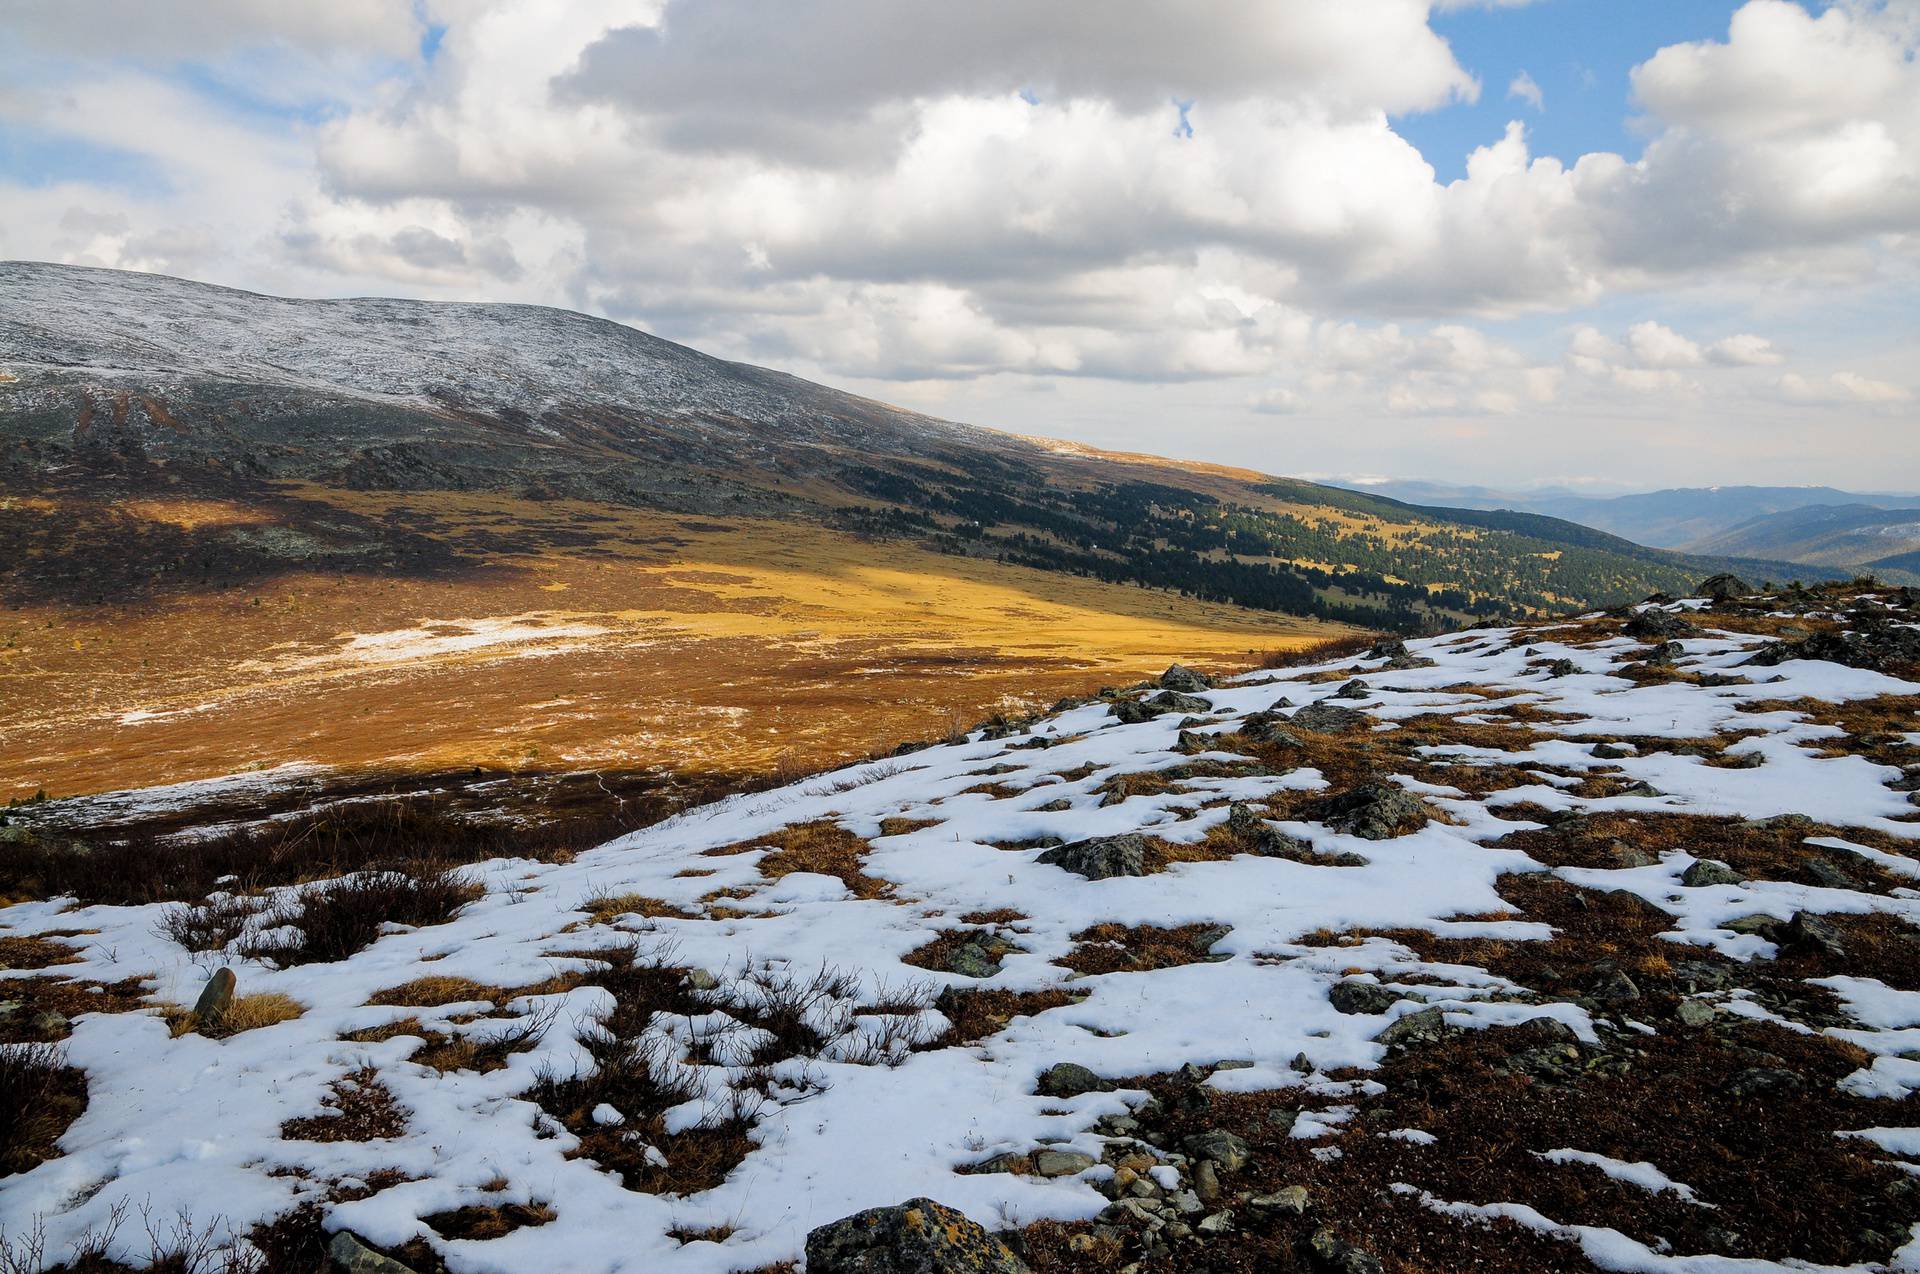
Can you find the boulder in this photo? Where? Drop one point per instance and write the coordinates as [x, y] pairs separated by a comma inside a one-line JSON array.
[[1657, 625], [1808, 932], [1185, 680], [1324, 717], [1101, 857], [1337, 1256], [1706, 872], [1387, 648], [1355, 689], [1070, 1079], [1269, 727], [1060, 1163], [915, 1237], [214, 998], [1288, 1200], [1374, 811], [1357, 995], [1722, 587], [1173, 701], [355, 1257]]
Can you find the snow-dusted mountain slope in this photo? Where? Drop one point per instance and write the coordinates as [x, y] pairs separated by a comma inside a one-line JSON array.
[[1586, 945]]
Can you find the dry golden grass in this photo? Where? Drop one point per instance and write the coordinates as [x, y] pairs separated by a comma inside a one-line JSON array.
[[658, 638], [244, 1013], [821, 847]]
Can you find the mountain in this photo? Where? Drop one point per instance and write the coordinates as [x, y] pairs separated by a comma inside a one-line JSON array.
[[1693, 519], [1837, 535], [128, 380], [1558, 947]]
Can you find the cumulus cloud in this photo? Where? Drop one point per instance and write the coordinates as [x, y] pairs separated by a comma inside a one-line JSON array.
[[911, 193], [1525, 89]]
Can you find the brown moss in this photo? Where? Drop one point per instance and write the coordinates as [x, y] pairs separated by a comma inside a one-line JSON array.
[[820, 846], [362, 1110], [1112, 948], [976, 1014]]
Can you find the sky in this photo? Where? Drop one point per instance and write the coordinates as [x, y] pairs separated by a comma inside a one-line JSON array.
[[1613, 244]]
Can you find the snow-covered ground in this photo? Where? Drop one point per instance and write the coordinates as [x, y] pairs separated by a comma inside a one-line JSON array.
[[194, 1124]]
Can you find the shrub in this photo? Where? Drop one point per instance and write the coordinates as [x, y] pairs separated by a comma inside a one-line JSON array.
[[341, 917], [39, 1096]]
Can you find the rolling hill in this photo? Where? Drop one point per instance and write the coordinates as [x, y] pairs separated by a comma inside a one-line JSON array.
[[1837, 535], [244, 531]]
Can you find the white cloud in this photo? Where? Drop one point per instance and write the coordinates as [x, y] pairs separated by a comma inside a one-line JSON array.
[[912, 193], [1844, 388], [1654, 345], [1525, 89]]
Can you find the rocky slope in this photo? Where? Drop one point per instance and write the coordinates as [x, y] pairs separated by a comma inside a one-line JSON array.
[[1590, 944]]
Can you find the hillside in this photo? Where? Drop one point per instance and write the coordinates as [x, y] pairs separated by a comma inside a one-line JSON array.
[[1692, 519], [158, 384], [1587, 944], [1844, 535]]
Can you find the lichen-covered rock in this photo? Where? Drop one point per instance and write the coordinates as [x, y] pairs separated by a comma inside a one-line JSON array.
[[1707, 872], [1323, 717], [919, 1236], [1070, 1079], [1357, 995], [1185, 680], [1101, 857], [355, 1257], [1374, 811], [1657, 625], [1722, 587], [214, 998]]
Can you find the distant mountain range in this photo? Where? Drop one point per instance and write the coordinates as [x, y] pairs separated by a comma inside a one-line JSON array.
[[1812, 526], [116, 385]]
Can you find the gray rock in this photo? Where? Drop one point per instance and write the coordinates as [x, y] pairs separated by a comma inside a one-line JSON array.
[[1618, 988], [1288, 1200], [1172, 701], [1695, 1012], [1186, 1202], [1387, 648], [1759, 925], [1355, 689], [1357, 995], [1324, 717], [1424, 1026], [49, 1024], [1101, 857], [1826, 875], [1268, 727], [1070, 1079], [1061, 1163], [1374, 811], [355, 1257], [1657, 625], [1337, 1256], [1185, 680], [1243, 822], [1764, 1081], [1609, 752], [1206, 1182], [1562, 668], [214, 998], [972, 960], [1707, 872], [915, 1237], [1808, 932], [1219, 1145], [1722, 587]]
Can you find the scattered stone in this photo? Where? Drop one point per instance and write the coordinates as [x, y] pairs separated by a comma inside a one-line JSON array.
[[1206, 1181], [1826, 875], [1759, 925], [1617, 989], [1337, 1256], [1706, 872], [1243, 822], [1061, 1163], [214, 998], [976, 959], [1387, 648], [1101, 857], [1425, 1026], [1695, 1012], [915, 1237], [1625, 855], [1289, 1200], [355, 1257], [1323, 717], [1873, 648], [1563, 668], [1355, 689], [1374, 811], [1185, 680], [1218, 1223], [1609, 752], [1357, 995], [1070, 1079], [1172, 701], [1219, 1145]]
